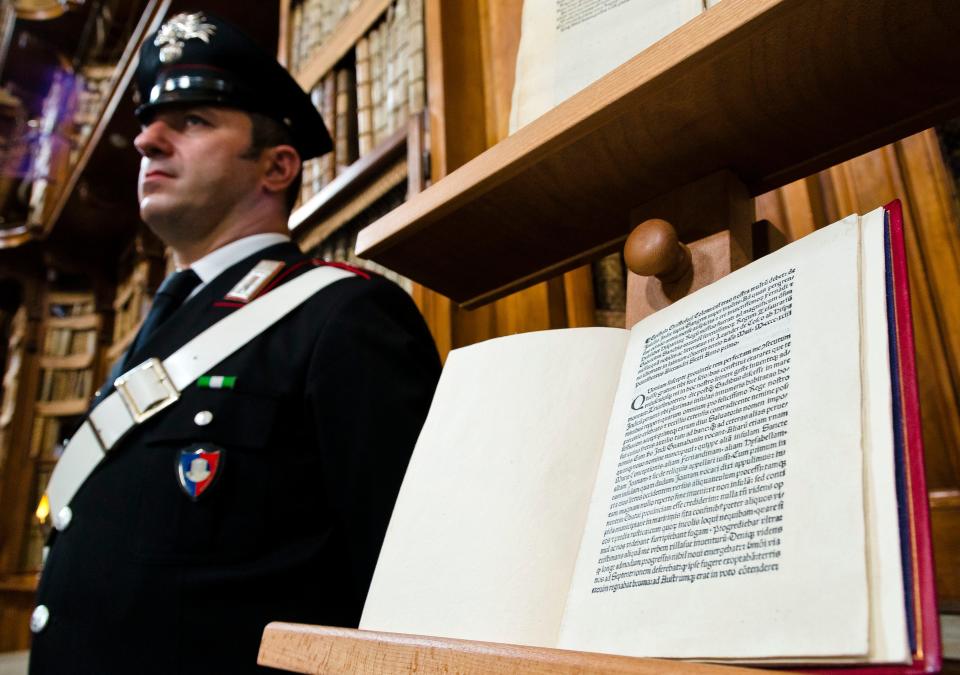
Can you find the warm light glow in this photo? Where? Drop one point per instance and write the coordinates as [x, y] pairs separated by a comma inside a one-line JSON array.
[[43, 509]]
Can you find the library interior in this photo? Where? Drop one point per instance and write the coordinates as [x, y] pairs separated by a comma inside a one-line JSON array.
[[615, 336]]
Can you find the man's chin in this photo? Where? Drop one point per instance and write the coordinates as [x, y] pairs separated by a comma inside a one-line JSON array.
[[163, 218]]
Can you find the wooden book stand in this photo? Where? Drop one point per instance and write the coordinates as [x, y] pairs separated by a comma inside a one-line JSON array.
[[716, 215], [324, 649]]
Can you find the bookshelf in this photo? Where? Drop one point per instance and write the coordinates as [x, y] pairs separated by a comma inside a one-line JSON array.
[[130, 306], [91, 93], [120, 80], [68, 365], [354, 25], [728, 90], [363, 62]]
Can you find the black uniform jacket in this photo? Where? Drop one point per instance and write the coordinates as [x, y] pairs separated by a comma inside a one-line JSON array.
[[315, 438]]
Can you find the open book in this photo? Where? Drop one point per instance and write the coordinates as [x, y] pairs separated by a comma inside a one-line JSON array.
[[739, 477]]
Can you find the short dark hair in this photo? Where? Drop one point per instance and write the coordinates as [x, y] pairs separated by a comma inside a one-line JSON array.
[[266, 133]]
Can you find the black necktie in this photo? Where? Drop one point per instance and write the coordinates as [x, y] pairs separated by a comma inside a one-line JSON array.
[[171, 294]]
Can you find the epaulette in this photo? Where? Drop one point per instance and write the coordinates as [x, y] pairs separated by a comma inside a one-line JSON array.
[[285, 273]]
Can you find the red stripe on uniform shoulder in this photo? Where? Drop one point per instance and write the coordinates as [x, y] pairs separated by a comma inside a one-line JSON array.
[[283, 275], [343, 266], [226, 303]]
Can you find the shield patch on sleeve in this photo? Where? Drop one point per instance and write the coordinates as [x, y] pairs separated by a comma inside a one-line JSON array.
[[198, 467]]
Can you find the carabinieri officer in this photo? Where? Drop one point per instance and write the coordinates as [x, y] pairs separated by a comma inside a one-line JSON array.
[[244, 468]]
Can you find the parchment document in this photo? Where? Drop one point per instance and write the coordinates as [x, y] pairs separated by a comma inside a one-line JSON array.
[[567, 44]]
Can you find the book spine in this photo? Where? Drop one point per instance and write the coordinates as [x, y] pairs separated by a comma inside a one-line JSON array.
[[610, 290], [346, 139], [296, 37], [328, 19], [316, 171], [401, 109], [329, 114], [364, 99], [389, 70], [376, 85], [415, 59]]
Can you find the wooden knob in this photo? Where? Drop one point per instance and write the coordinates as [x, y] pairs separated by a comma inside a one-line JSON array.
[[653, 250]]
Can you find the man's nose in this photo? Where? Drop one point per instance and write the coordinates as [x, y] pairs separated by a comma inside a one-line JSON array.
[[153, 139]]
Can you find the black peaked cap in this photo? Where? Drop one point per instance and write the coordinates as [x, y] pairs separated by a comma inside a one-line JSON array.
[[197, 57]]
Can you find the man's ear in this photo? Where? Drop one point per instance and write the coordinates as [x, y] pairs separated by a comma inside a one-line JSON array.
[[281, 164]]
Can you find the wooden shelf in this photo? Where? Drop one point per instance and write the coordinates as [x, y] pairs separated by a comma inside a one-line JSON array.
[[120, 346], [314, 649], [771, 90], [123, 75], [19, 583], [84, 321], [351, 183], [123, 296], [65, 407], [68, 298], [71, 362], [353, 27]]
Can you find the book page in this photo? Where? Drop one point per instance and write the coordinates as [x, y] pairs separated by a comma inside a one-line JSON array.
[[487, 525], [566, 45], [728, 517], [888, 626]]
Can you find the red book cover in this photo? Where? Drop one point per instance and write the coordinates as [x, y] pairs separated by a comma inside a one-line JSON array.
[[927, 649], [917, 546]]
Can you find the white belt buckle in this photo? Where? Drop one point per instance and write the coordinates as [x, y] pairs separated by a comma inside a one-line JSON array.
[[146, 389]]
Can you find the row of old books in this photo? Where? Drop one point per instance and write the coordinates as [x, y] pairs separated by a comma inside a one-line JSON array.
[[92, 87], [71, 304], [372, 92], [69, 341], [67, 367], [339, 247], [70, 337], [61, 384], [311, 23], [132, 303], [46, 440]]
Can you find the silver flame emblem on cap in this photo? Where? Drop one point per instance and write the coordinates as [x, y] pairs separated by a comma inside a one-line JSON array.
[[183, 26]]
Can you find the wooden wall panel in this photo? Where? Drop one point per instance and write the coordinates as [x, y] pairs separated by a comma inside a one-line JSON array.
[[500, 41], [945, 516], [578, 292], [15, 609], [455, 105], [471, 57]]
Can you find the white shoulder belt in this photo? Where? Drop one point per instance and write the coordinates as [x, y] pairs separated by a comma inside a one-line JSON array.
[[153, 385]]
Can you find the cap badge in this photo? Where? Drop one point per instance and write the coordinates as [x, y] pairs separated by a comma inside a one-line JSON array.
[[197, 466], [183, 26]]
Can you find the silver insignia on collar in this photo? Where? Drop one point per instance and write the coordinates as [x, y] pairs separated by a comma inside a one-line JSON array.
[[182, 27]]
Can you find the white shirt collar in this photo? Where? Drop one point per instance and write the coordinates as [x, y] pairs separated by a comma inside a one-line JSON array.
[[211, 265]]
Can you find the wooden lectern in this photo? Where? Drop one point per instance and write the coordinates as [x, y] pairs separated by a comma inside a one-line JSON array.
[[322, 649], [661, 271]]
